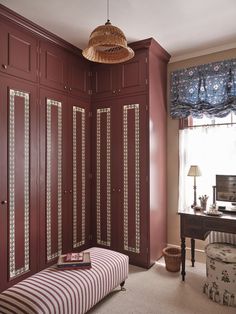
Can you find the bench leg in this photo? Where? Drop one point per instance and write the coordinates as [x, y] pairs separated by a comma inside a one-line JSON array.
[[122, 288]]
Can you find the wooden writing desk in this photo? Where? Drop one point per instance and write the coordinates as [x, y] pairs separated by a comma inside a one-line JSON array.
[[198, 226]]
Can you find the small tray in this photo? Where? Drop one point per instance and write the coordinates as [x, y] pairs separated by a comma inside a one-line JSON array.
[[213, 213]]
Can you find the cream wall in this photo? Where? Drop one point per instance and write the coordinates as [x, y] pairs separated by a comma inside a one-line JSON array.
[[173, 236]]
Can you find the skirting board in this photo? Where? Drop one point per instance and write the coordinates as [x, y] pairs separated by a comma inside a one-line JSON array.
[[199, 254]]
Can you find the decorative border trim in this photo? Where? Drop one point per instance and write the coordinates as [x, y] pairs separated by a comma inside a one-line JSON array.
[[135, 249], [50, 103], [75, 175], [12, 266], [98, 171]]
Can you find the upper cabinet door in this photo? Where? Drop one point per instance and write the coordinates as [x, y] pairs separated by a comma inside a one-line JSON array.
[[18, 170], [104, 80], [133, 74], [78, 77], [120, 79], [18, 52], [53, 66]]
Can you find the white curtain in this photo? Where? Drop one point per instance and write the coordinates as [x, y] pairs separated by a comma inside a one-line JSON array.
[[213, 149]]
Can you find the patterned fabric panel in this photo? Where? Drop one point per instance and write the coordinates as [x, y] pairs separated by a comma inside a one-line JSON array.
[[54, 291], [206, 89]]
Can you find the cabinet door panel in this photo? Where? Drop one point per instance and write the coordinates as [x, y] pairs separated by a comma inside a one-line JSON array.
[[120, 183], [134, 74], [102, 179], [78, 78], [120, 79], [53, 66], [133, 181], [51, 115], [18, 166], [18, 52], [78, 165], [103, 80]]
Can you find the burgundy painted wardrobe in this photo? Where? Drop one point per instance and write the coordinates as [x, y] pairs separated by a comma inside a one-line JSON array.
[[82, 151]]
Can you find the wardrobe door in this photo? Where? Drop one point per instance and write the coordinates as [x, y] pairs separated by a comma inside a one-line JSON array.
[[133, 218], [76, 227], [103, 187], [18, 186], [52, 186]]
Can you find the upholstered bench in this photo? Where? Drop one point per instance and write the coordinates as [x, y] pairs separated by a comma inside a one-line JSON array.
[[54, 291], [220, 285]]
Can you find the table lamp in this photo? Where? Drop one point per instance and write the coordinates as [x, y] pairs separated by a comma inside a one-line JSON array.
[[194, 172]]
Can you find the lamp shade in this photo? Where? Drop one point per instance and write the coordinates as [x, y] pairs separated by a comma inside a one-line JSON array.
[[107, 44], [194, 171]]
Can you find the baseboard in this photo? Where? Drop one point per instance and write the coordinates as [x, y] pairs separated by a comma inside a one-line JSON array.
[[199, 254]]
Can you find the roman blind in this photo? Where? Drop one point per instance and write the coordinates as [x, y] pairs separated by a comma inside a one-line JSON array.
[[208, 89]]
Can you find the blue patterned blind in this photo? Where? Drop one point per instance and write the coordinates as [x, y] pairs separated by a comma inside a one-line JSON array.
[[208, 89]]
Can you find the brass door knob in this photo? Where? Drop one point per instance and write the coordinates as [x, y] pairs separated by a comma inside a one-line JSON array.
[[4, 66], [3, 202]]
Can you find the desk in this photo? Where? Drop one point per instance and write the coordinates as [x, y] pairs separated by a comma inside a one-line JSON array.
[[196, 225]]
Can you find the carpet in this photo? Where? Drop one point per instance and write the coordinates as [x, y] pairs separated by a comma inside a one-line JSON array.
[[157, 291]]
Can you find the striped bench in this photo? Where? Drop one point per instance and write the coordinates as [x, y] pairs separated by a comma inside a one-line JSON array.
[[54, 291]]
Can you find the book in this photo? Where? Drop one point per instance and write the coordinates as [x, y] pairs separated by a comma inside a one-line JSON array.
[[77, 257], [73, 267], [86, 262]]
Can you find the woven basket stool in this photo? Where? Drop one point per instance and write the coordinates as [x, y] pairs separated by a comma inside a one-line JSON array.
[[220, 285]]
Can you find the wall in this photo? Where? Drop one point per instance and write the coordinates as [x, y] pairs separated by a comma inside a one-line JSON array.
[[173, 236]]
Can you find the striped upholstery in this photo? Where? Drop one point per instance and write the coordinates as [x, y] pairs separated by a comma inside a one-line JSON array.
[[215, 236], [54, 291]]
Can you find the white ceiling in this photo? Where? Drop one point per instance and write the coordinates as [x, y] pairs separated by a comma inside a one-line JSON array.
[[183, 27]]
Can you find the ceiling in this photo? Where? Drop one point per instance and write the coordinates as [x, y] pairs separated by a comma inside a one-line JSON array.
[[185, 28]]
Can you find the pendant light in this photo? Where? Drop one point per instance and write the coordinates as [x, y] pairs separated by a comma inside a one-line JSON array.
[[107, 44]]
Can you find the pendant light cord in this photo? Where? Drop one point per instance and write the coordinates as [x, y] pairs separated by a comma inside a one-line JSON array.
[[108, 13]]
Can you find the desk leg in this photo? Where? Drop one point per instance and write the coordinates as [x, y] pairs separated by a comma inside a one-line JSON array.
[[192, 251], [183, 254]]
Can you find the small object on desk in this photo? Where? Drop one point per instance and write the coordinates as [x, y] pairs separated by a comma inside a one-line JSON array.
[[197, 208], [203, 200], [213, 213], [221, 207]]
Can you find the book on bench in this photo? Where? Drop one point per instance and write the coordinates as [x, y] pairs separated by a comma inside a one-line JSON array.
[[85, 263], [74, 257]]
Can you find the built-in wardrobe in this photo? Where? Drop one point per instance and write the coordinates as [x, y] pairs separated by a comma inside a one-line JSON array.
[[82, 151]]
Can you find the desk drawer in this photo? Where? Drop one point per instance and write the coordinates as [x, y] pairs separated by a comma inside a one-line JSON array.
[[191, 227]]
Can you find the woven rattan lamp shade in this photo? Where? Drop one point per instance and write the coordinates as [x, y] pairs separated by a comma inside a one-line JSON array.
[[107, 44]]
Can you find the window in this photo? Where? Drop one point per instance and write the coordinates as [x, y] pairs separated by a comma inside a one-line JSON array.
[[209, 143], [229, 119]]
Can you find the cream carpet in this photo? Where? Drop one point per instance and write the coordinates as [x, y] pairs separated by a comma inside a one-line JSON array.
[[157, 291]]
